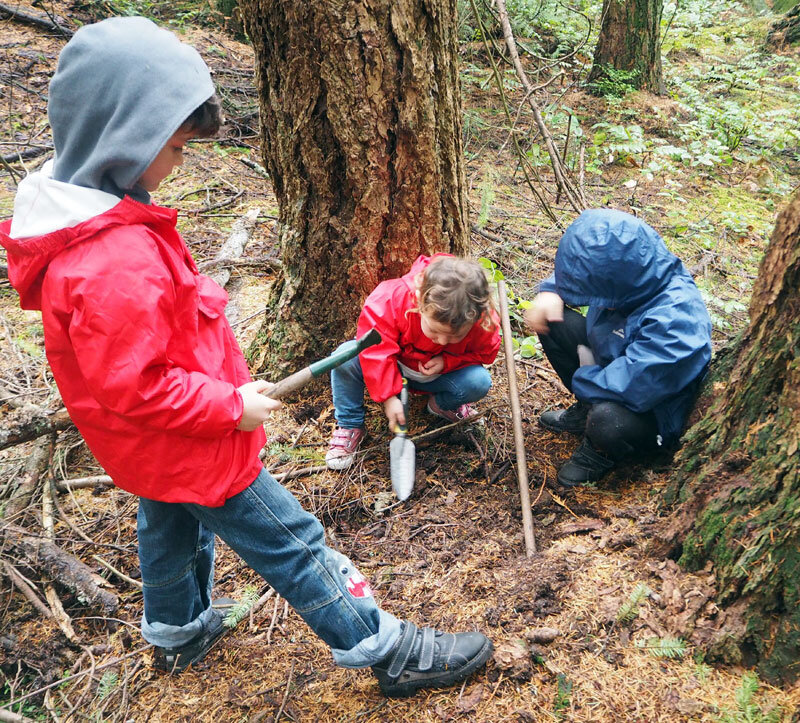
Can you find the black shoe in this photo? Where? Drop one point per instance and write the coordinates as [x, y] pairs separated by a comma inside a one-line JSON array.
[[176, 660], [428, 658], [585, 465], [572, 420]]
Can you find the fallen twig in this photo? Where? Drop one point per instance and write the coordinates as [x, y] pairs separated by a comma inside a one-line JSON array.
[[120, 575], [22, 585]]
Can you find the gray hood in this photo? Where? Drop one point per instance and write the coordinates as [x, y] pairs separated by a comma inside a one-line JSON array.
[[122, 88]]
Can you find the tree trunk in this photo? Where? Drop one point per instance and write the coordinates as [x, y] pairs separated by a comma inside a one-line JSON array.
[[361, 132], [737, 479], [630, 40]]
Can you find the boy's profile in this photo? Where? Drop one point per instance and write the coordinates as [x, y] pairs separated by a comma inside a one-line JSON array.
[[152, 376]]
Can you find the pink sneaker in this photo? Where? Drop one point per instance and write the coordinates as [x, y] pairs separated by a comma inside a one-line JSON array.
[[465, 411], [344, 444]]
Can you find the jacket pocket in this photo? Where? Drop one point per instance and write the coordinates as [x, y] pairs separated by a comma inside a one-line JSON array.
[[211, 297]]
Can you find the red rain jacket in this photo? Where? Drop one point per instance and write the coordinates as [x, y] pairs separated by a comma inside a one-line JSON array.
[[144, 358], [403, 340]]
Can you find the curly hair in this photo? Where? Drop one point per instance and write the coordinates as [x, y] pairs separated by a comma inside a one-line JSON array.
[[454, 291]]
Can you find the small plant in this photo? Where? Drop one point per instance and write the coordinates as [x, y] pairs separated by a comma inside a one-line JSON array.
[[563, 695], [671, 648], [747, 710], [107, 684], [630, 608], [240, 610], [613, 82], [618, 143]]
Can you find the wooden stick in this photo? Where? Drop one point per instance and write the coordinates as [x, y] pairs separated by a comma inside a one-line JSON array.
[[516, 418], [22, 585]]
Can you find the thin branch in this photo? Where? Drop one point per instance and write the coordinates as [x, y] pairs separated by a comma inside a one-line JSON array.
[[565, 184]]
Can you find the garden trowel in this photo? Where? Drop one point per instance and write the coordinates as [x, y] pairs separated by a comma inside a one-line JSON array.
[[402, 455]]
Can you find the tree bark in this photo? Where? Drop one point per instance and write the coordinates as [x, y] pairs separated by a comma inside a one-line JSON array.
[[737, 479], [630, 40], [361, 130]]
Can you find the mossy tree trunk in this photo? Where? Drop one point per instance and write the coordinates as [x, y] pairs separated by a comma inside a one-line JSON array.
[[785, 31], [630, 40], [737, 481], [361, 128]]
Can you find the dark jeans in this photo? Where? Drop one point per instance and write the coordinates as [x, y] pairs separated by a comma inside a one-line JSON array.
[[276, 537], [612, 428]]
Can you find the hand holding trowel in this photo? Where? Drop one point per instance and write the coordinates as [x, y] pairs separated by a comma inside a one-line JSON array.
[[402, 455]]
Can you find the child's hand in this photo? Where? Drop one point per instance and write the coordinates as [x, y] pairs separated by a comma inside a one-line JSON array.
[[393, 408], [546, 307], [432, 366], [257, 407]]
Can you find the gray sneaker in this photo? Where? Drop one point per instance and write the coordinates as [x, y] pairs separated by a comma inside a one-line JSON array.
[[572, 419], [428, 658]]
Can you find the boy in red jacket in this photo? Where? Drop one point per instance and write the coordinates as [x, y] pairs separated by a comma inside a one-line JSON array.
[[151, 373]]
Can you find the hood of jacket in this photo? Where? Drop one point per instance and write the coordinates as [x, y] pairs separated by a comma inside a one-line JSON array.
[[50, 216], [612, 260], [122, 88]]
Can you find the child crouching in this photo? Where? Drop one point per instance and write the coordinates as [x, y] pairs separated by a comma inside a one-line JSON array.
[[439, 328]]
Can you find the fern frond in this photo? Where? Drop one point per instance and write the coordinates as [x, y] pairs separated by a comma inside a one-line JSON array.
[[630, 608], [107, 684], [664, 647], [239, 611]]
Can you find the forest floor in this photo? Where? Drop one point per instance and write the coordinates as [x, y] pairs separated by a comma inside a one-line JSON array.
[[708, 166]]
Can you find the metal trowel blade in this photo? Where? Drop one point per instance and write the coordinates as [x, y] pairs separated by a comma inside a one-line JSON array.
[[402, 462]]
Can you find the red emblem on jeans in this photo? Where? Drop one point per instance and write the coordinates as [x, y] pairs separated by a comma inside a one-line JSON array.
[[358, 586]]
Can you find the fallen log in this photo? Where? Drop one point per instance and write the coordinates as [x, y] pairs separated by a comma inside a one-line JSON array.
[[24, 426], [34, 468], [58, 564], [38, 21]]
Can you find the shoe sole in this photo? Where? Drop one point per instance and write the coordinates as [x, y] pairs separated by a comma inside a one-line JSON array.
[[175, 670], [558, 430], [440, 679], [339, 463]]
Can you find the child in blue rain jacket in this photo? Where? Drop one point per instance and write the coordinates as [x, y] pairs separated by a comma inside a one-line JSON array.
[[635, 361]]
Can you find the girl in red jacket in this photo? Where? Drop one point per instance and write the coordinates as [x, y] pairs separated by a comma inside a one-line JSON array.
[[438, 329], [152, 376]]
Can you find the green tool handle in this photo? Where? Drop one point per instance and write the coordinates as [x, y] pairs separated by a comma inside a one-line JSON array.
[[344, 353]]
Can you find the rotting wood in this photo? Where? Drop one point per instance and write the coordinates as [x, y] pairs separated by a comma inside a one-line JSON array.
[[34, 468], [58, 564], [234, 246], [38, 21], [25, 427]]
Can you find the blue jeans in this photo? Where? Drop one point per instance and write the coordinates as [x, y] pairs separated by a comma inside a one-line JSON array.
[[450, 390], [274, 535]]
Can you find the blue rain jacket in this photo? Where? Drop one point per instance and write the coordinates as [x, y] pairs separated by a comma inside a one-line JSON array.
[[647, 324]]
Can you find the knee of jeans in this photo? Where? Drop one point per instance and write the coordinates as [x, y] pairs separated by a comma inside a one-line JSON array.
[[482, 383], [346, 574], [607, 431]]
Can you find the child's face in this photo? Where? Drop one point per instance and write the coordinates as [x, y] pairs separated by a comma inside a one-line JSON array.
[[440, 333], [168, 157]]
